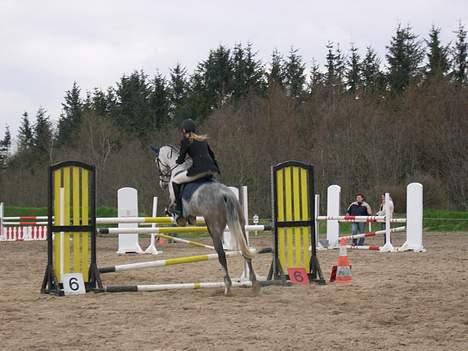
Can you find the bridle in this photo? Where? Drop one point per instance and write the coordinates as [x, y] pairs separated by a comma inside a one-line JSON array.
[[165, 175]]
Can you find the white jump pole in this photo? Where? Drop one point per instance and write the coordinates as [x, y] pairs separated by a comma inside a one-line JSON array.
[[245, 275], [127, 203], [333, 209], [62, 234], [152, 249], [414, 218], [2, 235], [388, 247], [317, 224]]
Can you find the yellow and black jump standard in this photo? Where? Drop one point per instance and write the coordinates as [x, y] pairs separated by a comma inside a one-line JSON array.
[[71, 240], [293, 211]]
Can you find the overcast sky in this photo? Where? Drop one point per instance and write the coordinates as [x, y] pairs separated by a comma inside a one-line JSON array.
[[46, 45]]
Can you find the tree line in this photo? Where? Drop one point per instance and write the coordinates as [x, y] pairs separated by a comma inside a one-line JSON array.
[[365, 123]]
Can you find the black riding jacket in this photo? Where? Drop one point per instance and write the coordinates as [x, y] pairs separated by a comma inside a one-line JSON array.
[[203, 158]]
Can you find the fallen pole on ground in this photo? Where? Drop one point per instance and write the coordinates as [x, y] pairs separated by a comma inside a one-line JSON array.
[[174, 261], [161, 287]]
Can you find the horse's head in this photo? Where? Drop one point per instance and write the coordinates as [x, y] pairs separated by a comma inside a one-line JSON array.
[[165, 158]]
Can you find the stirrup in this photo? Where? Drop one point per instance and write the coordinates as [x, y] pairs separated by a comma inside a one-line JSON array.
[[173, 211]]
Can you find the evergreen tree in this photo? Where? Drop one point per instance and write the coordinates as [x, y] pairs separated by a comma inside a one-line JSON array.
[[198, 102], [5, 144], [353, 72], [6, 141], [460, 57], [330, 76], [100, 103], [335, 67], [217, 73], [133, 112], [70, 119], [404, 58], [159, 101], [340, 67], [42, 136], [316, 77], [247, 72], [276, 74], [178, 93], [294, 69], [372, 76], [437, 55], [25, 134]]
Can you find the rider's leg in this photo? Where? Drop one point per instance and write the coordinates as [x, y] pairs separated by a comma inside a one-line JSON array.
[[177, 209], [176, 206]]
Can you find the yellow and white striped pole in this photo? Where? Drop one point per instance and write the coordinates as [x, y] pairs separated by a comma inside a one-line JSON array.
[[173, 261], [157, 220], [168, 230], [161, 287]]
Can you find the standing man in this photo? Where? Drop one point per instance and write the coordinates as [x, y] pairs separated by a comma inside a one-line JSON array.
[[358, 208]]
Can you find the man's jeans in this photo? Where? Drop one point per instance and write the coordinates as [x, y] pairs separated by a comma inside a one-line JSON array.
[[358, 228]]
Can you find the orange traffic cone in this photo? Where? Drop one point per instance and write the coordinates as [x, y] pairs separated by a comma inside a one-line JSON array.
[[343, 269]]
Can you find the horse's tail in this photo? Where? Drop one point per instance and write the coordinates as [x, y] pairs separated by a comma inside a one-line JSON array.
[[233, 216]]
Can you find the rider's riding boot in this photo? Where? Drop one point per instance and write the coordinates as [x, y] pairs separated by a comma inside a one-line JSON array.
[[177, 208]]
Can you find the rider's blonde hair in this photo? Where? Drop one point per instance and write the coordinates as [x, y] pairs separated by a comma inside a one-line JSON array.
[[197, 137]]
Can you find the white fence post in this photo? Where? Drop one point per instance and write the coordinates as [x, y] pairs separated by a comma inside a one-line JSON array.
[[414, 218], [333, 209], [127, 204], [2, 234]]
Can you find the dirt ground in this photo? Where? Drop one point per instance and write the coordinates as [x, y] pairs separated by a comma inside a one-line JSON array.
[[398, 301]]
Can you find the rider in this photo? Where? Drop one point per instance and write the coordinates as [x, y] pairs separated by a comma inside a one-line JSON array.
[[203, 161]]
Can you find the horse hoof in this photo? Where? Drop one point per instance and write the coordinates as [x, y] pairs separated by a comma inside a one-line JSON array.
[[192, 220], [181, 221], [227, 292], [256, 288]]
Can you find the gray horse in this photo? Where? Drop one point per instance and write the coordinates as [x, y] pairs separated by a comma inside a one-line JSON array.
[[216, 203]]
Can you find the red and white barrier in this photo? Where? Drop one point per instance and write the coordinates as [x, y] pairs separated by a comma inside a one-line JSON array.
[[364, 219], [371, 234], [23, 233], [22, 228]]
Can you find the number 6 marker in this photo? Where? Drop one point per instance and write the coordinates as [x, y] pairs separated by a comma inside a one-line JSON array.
[[73, 284], [298, 276]]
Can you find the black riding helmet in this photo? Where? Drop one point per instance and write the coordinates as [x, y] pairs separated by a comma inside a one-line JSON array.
[[189, 126]]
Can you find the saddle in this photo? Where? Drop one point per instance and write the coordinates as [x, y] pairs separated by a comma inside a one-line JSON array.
[[188, 189]]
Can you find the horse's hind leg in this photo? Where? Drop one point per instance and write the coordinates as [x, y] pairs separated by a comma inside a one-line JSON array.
[[218, 245], [253, 277]]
